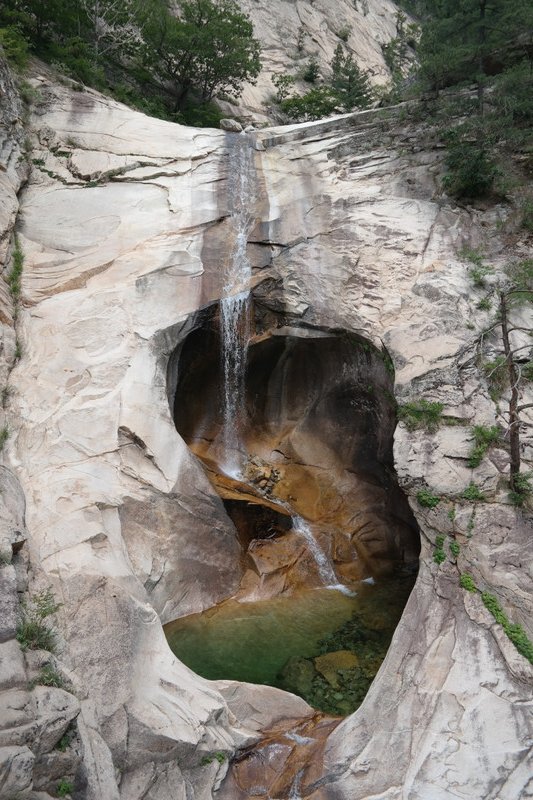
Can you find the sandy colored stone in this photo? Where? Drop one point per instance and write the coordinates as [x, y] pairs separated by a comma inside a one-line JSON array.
[[330, 663]]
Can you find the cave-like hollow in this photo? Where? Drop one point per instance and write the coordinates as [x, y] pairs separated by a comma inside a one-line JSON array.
[[315, 433]]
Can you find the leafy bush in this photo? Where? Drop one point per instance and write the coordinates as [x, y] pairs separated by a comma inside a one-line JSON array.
[[515, 632], [15, 46], [4, 436], [64, 788], [484, 304], [426, 499], [33, 633], [473, 492], [421, 414], [455, 549], [471, 170], [49, 676], [497, 374], [522, 488], [438, 554], [484, 438], [467, 582], [311, 71], [319, 102]]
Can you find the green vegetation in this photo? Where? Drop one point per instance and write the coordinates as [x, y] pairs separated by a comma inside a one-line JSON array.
[[522, 488], [4, 436], [421, 414], [455, 548], [484, 438], [49, 676], [5, 558], [497, 375], [347, 89], [219, 756], [438, 554], [471, 170], [426, 499], [473, 492], [14, 277], [33, 633], [484, 304], [64, 788], [515, 632], [165, 64], [467, 582]]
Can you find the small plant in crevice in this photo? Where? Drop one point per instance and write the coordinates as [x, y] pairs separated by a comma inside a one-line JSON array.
[[438, 554], [523, 488], [4, 436], [219, 756], [49, 676], [5, 557], [484, 438], [484, 304], [514, 632], [14, 277], [421, 414], [467, 582], [474, 493], [64, 788], [33, 633], [497, 374], [471, 524], [455, 548], [18, 350], [426, 499]]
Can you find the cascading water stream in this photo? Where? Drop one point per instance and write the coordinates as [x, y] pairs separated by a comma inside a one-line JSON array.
[[325, 569], [235, 333], [235, 303]]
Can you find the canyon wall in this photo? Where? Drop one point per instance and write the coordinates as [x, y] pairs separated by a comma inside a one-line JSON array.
[[124, 226]]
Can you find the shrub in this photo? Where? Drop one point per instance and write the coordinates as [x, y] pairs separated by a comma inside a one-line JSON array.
[[471, 170], [14, 45], [33, 633], [497, 375], [311, 71], [473, 492], [344, 33], [522, 488], [426, 499], [14, 277], [4, 436], [438, 554], [515, 632], [484, 438], [526, 214], [319, 102], [283, 84], [454, 548], [421, 414], [484, 304], [49, 676], [467, 582], [64, 788]]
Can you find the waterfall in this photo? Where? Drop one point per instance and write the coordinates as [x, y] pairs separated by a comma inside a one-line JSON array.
[[325, 569], [235, 302]]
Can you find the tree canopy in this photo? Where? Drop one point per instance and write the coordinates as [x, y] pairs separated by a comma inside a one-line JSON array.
[[140, 48]]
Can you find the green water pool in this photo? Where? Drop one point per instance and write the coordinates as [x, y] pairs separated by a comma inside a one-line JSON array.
[[279, 642]]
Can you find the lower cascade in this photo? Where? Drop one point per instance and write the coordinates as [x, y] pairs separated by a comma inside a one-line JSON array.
[[328, 545]]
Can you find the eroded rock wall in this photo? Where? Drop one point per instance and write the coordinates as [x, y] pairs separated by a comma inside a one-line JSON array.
[[118, 226]]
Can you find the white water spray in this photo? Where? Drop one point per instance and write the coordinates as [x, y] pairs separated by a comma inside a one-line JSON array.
[[235, 303], [325, 569]]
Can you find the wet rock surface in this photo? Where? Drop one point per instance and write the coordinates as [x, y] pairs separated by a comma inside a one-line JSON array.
[[354, 233]]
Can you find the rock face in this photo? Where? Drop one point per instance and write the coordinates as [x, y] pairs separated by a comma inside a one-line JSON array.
[[123, 226], [293, 34]]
